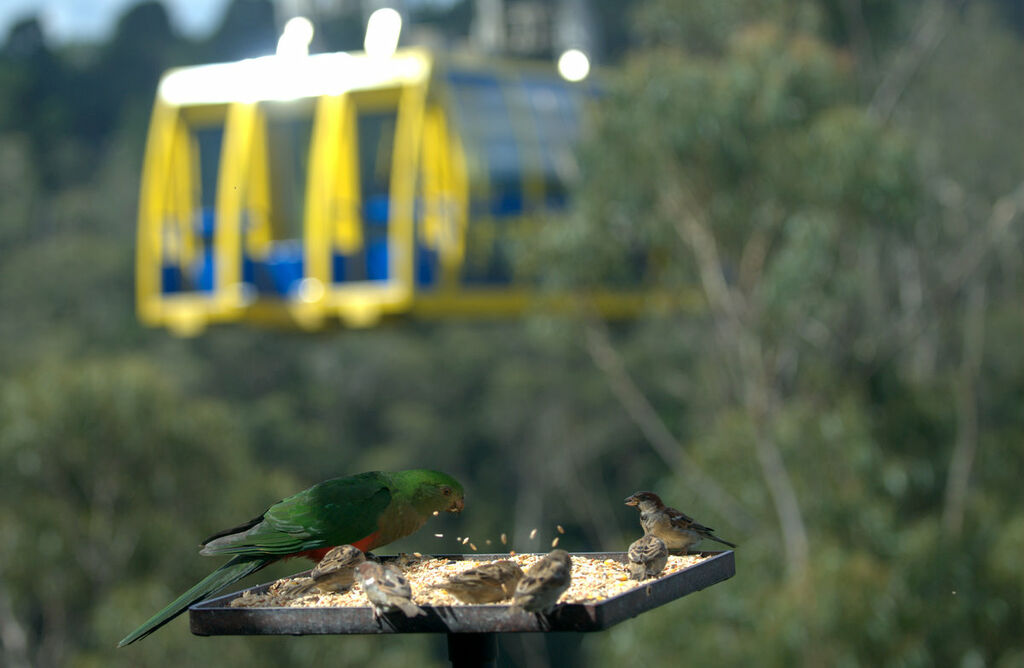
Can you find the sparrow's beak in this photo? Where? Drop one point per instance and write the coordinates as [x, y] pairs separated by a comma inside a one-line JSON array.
[[457, 506], [631, 501]]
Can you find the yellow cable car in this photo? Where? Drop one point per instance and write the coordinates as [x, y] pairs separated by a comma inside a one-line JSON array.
[[346, 188]]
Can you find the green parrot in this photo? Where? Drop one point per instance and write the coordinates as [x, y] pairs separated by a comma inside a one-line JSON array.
[[366, 510]]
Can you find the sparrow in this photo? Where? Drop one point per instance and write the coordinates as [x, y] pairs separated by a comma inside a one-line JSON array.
[[647, 557], [387, 589], [334, 573], [540, 588], [679, 531], [489, 583]]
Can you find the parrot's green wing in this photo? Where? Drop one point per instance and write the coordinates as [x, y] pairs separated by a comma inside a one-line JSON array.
[[335, 512]]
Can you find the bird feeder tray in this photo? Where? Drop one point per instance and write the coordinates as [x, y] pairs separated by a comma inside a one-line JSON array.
[[216, 616]]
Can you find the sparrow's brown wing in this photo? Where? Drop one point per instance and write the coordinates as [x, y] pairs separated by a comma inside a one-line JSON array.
[[300, 587], [484, 584], [545, 573], [509, 573], [386, 588], [647, 549], [341, 558], [681, 520], [544, 582], [487, 575], [399, 592], [393, 583]]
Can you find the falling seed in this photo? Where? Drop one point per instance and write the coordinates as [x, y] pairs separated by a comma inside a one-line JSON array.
[[560, 529], [533, 534], [417, 555], [554, 543], [438, 535], [472, 547], [504, 539], [436, 513], [465, 540], [488, 541]]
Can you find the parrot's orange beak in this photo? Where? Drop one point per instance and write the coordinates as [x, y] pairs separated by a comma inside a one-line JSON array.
[[457, 506]]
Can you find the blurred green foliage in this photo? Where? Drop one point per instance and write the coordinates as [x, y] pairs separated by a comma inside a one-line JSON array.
[[846, 404]]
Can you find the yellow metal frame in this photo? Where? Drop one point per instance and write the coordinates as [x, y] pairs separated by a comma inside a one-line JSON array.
[[445, 196], [167, 202]]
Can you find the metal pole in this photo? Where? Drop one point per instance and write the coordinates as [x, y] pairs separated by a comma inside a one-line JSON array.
[[472, 650]]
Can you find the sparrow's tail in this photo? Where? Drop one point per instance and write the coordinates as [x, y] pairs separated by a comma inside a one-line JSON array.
[[234, 570], [408, 607], [719, 540], [301, 588]]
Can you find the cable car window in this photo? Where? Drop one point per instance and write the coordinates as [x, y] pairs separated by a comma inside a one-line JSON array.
[[288, 140], [376, 144], [209, 142], [193, 268], [376, 137], [273, 216], [556, 112], [483, 114]]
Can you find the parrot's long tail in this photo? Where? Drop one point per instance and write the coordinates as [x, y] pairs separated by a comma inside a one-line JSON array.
[[234, 570]]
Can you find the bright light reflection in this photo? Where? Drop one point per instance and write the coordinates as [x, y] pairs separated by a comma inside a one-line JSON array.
[[382, 30], [311, 290], [574, 65], [296, 38], [266, 78]]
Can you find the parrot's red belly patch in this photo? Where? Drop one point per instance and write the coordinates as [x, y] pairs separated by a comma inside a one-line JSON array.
[[368, 543], [364, 544]]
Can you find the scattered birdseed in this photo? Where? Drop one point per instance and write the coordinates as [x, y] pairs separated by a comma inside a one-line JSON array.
[[511, 553], [417, 554], [592, 580], [438, 535], [560, 529], [554, 543], [533, 534], [472, 547], [436, 513], [488, 541], [465, 540], [504, 539]]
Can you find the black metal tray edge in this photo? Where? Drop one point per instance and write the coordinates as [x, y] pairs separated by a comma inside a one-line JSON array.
[[215, 617]]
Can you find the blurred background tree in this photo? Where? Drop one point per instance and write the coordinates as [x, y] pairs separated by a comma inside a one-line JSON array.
[[840, 182]]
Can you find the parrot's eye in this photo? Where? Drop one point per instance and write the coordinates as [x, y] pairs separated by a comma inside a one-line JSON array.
[[447, 491]]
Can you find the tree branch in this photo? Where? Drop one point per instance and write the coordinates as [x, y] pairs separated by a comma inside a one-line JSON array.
[[657, 434], [13, 641], [860, 36], [1003, 213], [755, 384], [934, 26], [962, 460]]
